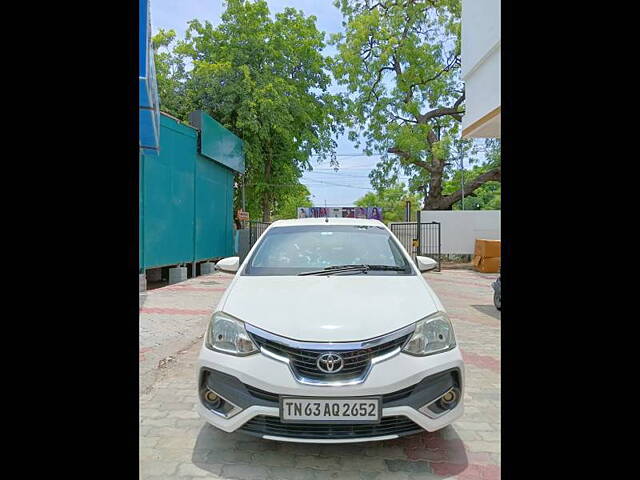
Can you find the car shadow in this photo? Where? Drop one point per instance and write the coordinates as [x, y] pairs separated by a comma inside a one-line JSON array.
[[441, 453], [490, 310], [214, 447], [424, 454]]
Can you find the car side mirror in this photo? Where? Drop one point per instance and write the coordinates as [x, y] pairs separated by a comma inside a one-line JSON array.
[[229, 264], [425, 263]]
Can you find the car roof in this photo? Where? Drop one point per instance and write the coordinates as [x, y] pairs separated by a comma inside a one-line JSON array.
[[326, 220]]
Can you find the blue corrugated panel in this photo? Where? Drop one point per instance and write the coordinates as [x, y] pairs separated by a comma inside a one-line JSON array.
[[186, 203], [141, 212], [169, 197], [148, 89], [218, 143], [214, 209]]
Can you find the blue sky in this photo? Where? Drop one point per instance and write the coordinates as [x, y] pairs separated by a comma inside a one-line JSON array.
[[326, 186]]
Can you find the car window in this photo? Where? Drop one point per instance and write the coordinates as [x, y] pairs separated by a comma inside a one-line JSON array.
[[293, 250]]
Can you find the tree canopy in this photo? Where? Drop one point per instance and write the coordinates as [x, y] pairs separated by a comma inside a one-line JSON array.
[[486, 196], [264, 79], [400, 62], [392, 200]]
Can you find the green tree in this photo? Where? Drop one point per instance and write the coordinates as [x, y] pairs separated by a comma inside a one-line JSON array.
[[477, 196], [171, 75], [400, 61], [266, 80], [392, 200], [298, 196], [485, 197]]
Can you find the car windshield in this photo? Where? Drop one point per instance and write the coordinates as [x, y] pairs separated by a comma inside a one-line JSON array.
[[308, 248]]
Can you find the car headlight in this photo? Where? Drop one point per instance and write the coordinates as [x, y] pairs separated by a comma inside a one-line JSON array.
[[228, 335], [433, 334]]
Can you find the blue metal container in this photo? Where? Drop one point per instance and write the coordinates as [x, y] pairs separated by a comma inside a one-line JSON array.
[[186, 198], [148, 91]]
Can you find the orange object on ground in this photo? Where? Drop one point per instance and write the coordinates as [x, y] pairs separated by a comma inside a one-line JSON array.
[[487, 248], [486, 264], [487, 256]]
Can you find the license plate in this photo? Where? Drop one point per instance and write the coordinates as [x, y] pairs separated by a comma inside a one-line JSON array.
[[329, 410]]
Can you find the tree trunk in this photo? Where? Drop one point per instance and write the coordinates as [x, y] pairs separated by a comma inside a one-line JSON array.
[[266, 211], [435, 184], [436, 174], [445, 202], [266, 196]]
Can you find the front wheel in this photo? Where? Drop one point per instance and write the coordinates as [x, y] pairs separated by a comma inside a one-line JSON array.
[[497, 300]]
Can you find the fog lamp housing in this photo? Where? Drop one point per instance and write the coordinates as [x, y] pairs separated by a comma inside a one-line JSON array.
[[442, 404], [212, 400], [217, 404]]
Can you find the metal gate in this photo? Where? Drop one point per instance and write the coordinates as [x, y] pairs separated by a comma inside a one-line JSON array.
[[420, 239], [255, 230]]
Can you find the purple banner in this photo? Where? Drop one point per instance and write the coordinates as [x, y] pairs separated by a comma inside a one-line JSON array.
[[374, 213]]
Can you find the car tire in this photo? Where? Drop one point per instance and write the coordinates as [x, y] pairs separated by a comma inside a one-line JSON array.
[[497, 300]]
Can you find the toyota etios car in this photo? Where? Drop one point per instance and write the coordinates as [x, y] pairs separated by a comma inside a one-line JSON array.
[[329, 333]]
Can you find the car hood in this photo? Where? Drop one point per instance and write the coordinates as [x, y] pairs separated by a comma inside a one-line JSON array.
[[336, 308]]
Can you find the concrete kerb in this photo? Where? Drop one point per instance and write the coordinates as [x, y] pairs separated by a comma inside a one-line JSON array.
[[177, 275]]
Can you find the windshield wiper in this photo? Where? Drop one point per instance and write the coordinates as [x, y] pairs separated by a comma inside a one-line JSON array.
[[350, 268], [335, 269], [393, 268]]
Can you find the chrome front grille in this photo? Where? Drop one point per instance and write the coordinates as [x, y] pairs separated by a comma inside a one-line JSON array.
[[357, 356]]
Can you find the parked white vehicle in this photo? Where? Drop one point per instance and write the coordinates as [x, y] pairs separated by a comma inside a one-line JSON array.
[[327, 334]]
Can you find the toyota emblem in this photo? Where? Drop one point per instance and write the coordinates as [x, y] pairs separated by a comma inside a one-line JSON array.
[[330, 362]]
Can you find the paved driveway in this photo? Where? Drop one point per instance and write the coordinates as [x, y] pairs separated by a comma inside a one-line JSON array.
[[176, 443], [172, 319]]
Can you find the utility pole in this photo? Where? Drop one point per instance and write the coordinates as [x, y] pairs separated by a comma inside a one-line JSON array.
[[243, 205], [425, 187], [462, 175]]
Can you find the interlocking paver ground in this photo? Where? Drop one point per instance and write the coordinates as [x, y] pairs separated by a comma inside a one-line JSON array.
[[173, 318], [176, 443]]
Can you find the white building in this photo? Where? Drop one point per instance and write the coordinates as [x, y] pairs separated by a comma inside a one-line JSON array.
[[481, 68]]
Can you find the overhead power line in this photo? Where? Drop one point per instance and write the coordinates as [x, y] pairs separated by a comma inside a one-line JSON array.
[[328, 155], [298, 184], [338, 175], [341, 168], [339, 185]]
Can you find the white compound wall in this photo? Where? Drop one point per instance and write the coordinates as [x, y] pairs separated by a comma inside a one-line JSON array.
[[460, 228]]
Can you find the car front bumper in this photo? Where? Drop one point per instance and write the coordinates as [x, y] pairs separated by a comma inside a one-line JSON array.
[[406, 384]]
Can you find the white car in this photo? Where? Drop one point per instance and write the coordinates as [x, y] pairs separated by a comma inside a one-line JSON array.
[[328, 334]]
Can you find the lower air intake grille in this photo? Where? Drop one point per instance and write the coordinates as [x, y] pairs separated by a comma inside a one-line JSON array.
[[266, 425], [275, 398]]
